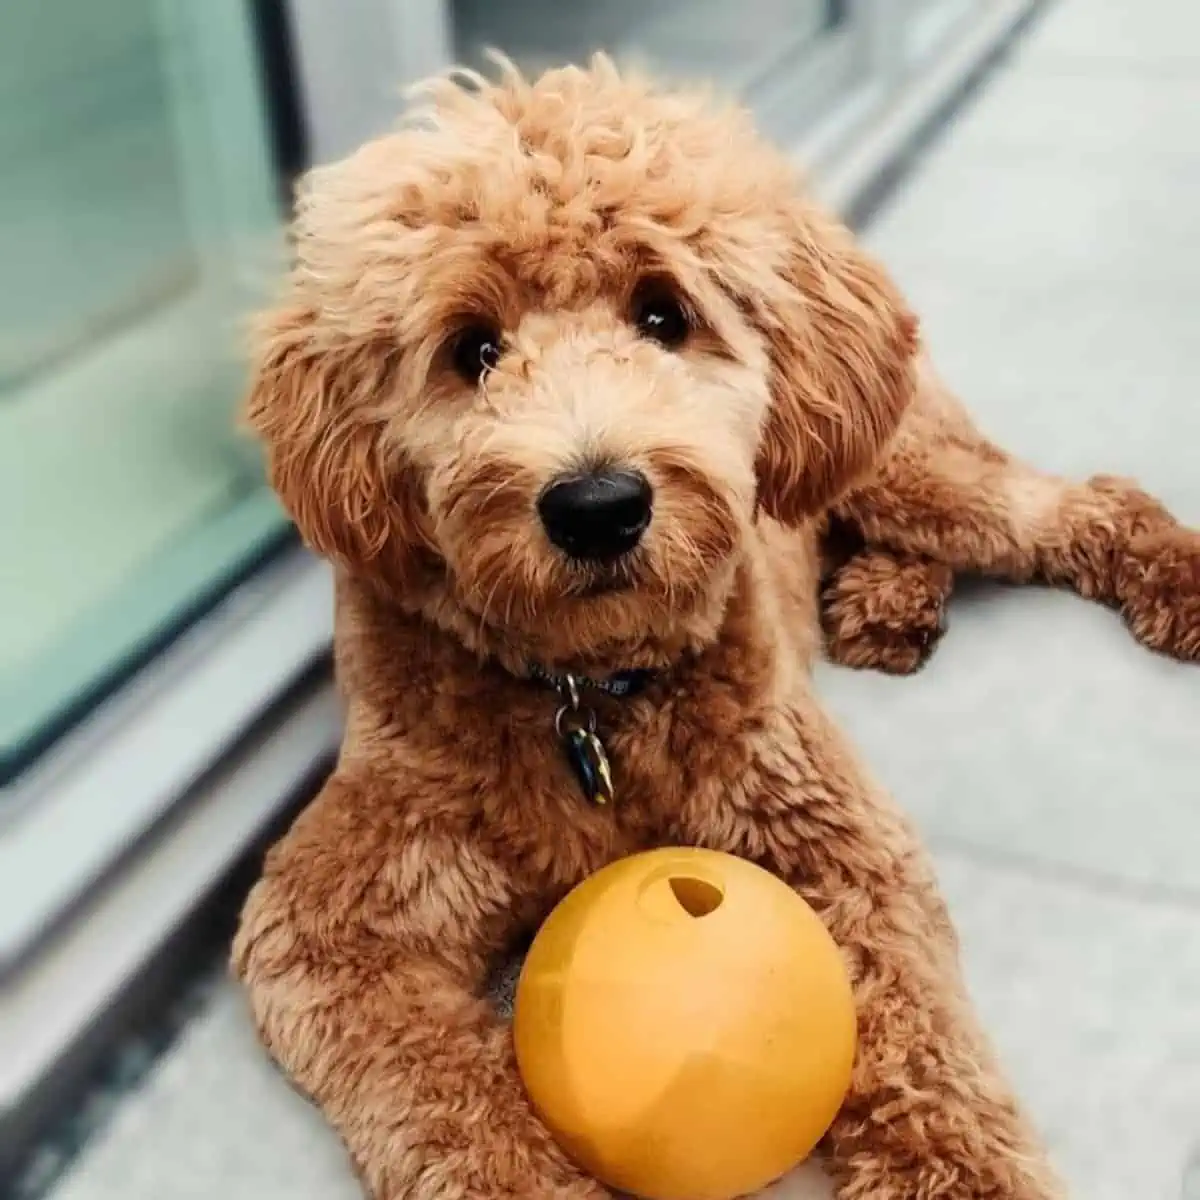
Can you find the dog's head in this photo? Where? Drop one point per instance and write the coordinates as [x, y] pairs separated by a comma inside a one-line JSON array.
[[548, 352]]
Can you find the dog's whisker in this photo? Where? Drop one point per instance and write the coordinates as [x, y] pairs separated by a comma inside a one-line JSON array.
[[487, 604]]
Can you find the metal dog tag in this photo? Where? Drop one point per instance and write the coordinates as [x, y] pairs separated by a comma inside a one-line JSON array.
[[585, 752]]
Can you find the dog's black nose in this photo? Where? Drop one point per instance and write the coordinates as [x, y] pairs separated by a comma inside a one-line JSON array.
[[599, 516]]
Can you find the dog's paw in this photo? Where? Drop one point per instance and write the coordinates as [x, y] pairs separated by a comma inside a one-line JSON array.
[[885, 612], [1158, 587]]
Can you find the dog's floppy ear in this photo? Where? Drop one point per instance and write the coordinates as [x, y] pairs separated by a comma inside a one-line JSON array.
[[841, 344], [315, 404]]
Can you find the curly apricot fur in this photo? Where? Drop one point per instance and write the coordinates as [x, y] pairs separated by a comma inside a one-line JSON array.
[[451, 823]]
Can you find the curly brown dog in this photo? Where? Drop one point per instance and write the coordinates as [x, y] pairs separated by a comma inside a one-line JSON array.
[[569, 380]]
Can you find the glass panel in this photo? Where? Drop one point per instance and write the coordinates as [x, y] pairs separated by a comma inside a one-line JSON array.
[[138, 221], [737, 45], [932, 24]]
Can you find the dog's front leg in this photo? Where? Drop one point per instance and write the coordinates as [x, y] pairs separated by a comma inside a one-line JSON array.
[[945, 496], [364, 950], [928, 1116]]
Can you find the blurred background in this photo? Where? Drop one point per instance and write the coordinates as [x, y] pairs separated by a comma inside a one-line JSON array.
[[1030, 171]]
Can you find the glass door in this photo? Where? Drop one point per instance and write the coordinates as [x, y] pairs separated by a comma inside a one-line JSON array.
[[138, 223], [752, 48], [931, 24]]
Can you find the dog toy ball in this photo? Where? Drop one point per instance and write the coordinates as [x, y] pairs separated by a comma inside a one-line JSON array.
[[684, 1025]]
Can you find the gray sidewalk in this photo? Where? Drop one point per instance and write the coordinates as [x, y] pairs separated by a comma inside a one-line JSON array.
[[1051, 241]]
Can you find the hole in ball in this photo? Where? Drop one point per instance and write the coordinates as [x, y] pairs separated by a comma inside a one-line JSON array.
[[697, 897]]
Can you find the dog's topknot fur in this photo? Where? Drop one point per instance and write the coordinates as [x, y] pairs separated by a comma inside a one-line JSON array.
[[790, 429]]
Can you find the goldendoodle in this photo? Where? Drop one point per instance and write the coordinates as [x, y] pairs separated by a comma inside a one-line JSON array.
[[589, 404]]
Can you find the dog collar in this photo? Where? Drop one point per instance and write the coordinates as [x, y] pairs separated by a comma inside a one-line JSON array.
[[620, 685], [575, 724]]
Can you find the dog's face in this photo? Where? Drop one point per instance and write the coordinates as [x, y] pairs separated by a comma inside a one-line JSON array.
[[547, 356]]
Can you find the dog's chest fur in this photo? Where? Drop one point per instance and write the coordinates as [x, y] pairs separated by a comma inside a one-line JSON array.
[[505, 772], [470, 743]]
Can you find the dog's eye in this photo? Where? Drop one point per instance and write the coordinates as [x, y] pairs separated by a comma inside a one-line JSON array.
[[658, 314], [476, 350]]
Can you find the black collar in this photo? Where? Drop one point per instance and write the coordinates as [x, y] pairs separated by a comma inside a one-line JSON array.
[[620, 685]]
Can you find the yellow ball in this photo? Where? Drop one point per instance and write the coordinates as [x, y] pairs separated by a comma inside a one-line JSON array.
[[684, 1025]]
